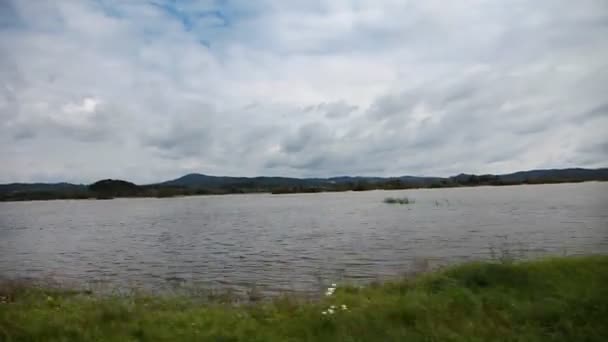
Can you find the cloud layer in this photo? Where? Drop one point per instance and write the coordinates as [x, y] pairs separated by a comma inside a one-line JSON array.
[[150, 90]]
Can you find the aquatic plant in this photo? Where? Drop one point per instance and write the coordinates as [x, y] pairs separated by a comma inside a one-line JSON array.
[[394, 200]]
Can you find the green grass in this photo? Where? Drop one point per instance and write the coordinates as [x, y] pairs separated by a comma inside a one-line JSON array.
[[561, 299], [393, 200]]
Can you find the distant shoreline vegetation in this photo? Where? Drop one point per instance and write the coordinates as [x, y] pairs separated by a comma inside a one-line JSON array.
[[197, 184]]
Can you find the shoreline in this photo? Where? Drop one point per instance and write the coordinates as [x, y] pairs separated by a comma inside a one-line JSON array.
[[90, 197], [559, 298]]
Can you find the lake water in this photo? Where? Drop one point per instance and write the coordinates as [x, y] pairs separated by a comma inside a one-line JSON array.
[[294, 242]]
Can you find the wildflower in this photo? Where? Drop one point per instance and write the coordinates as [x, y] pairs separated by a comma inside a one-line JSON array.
[[330, 290], [343, 307], [330, 311], [323, 312]]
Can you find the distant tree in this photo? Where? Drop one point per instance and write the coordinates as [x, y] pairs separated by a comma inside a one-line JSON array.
[[393, 184], [109, 188], [362, 186]]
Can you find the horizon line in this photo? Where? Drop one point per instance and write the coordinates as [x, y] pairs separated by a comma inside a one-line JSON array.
[[305, 178]]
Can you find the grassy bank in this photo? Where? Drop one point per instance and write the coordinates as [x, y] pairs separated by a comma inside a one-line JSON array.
[[562, 299]]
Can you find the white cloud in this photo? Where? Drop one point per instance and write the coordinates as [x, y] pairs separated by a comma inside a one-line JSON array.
[[150, 90]]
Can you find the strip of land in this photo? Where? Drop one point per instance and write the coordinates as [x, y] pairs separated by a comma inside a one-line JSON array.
[[559, 299], [198, 184]]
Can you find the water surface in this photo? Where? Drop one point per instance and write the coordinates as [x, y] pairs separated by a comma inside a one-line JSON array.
[[294, 242]]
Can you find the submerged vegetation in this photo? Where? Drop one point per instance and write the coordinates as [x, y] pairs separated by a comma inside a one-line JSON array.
[[403, 200], [561, 299]]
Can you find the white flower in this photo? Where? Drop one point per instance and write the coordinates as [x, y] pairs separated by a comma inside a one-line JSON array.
[[343, 307], [330, 311], [333, 307], [323, 312]]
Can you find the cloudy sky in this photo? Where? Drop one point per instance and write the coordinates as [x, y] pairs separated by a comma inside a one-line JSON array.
[[151, 90]]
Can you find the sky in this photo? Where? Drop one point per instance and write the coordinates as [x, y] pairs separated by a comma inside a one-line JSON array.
[[151, 90]]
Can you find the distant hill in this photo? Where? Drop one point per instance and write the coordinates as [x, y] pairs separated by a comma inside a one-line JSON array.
[[249, 184], [196, 180], [200, 180], [575, 174], [109, 188], [17, 187], [193, 184], [41, 191], [534, 176]]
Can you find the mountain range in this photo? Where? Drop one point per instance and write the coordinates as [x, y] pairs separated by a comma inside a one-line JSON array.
[[204, 184], [549, 175]]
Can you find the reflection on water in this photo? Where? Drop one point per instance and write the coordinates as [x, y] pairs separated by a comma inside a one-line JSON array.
[[295, 242]]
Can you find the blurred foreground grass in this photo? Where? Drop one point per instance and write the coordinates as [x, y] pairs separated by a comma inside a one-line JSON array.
[[559, 299]]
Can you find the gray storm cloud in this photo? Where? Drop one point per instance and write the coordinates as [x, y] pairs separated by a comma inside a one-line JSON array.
[[149, 91]]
